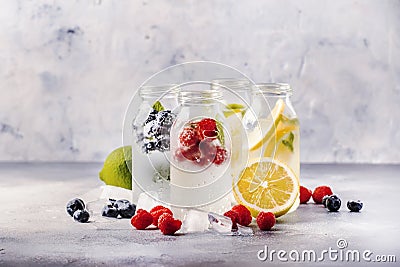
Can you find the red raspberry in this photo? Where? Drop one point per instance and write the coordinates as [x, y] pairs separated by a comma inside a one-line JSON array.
[[142, 219], [188, 137], [168, 225], [243, 214], [320, 192], [157, 211], [207, 128], [305, 195], [234, 218], [220, 155], [193, 153], [265, 220]]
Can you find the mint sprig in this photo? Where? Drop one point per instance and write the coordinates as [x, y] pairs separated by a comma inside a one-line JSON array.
[[220, 130], [157, 106], [288, 142]]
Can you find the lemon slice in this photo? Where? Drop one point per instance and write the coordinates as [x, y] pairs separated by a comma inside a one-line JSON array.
[[267, 185], [265, 128], [233, 108]]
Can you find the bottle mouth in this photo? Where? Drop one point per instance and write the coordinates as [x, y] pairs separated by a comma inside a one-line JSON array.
[[159, 91], [277, 89], [200, 96], [238, 85]]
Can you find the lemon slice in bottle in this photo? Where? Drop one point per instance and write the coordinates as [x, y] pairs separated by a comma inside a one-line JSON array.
[[265, 128], [266, 184]]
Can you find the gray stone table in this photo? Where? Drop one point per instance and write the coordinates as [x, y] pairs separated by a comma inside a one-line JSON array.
[[35, 229]]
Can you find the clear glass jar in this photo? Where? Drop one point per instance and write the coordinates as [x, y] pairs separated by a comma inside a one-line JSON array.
[[151, 132], [200, 152], [272, 103], [237, 100]]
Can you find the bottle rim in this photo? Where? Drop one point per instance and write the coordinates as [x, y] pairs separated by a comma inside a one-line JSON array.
[[273, 88], [208, 96], [163, 90], [238, 85]]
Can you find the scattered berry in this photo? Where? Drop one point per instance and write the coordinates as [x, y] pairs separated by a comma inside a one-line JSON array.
[[74, 205], [320, 192], [234, 218], [333, 203], [125, 208], [157, 211], [305, 195], [168, 225], [354, 206], [324, 200], [109, 211], [142, 219], [243, 214], [81, 216], [207, 128], [220, 155], [265, 220], [188, 137]]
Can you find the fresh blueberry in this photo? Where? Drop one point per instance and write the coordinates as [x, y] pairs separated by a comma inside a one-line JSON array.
[[74, 205], [81, 216], [110, 211], [333, 203], [354, 206], [125, 208], [324, 200]]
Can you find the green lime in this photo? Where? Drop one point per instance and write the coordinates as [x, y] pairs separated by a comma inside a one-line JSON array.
[[115, 169]]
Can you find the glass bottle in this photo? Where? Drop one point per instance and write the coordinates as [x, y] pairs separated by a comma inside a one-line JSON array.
[[151, 145], [200, 152], [282, 143]]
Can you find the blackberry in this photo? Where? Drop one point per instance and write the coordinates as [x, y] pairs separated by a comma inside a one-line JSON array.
[[354, 206], [81, 216], [152, 116], [333, 203], [125, 208], [162, 145], [74, 205], [149, 146]]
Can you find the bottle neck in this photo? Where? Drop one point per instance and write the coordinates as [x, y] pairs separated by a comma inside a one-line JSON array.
[[278, 90]]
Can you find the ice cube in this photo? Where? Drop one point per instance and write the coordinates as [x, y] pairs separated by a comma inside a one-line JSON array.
[[195, 221], [223, 225]]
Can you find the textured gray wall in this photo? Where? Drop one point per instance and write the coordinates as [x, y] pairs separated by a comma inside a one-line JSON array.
[[69, 68]]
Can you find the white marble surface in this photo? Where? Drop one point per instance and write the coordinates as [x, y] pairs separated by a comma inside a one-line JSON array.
[[69, 68]]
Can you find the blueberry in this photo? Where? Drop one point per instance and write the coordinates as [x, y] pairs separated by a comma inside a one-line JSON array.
[[74, 205], [110, 211], [111, 201], [324, 200], [354, 206], [81, 216], [333, 203], [125, 208]]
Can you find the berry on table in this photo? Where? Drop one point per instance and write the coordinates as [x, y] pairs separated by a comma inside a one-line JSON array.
[[81, 216], [168, 225], [157, 211], [265, 220], [109, 211], [234, 218], [354, 206], [243, 214], [305, 195], [142, 219], [125, 208], [320, 192], [333, 203], [74, 205]]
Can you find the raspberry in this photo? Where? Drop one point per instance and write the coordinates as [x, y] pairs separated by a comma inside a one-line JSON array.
[[305, 195], [265, 220], [157, 211], [320, 192], [220, 155], [168, 225], [142, 219], [193, 153], [188, 137], [243, 214], [234, 218], [207, 128]]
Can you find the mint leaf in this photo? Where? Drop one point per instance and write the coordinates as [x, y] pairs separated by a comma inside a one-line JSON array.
[[158, 106], [288, 142], [220, 130]]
